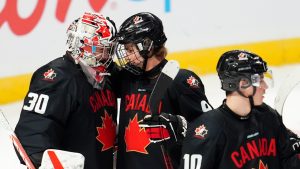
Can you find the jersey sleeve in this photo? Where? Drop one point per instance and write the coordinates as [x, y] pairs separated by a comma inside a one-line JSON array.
[[188, 95], [203, 145], [288, 157], [44, 114]]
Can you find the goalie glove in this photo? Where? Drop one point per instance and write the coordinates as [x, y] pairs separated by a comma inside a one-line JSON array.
[[53, 158], [164, 127]]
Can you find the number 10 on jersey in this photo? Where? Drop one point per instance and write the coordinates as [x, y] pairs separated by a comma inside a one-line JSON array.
[[192, 161]]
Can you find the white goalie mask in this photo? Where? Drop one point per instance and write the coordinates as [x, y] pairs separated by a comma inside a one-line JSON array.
[[90, 42]]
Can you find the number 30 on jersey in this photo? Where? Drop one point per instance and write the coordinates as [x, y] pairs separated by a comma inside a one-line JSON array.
[[192, 161], [36, 102]]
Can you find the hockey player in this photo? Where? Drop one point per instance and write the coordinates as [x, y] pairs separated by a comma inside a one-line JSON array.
[[243, 132], [70, 104], [141, 52]]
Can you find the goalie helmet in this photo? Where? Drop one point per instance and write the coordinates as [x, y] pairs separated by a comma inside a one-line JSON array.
[[90, 41], [235, 65], [145, 31]]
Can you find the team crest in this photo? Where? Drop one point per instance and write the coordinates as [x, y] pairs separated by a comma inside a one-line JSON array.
[[243, 56], [193, 82], [49, 75], [137, 19], [201, 132]]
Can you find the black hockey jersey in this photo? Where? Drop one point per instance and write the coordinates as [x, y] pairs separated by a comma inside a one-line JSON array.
[[63, 111], [184, 97], [220, 139]]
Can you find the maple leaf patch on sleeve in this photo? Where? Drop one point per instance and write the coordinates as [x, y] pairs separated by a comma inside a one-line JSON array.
[[49, 75], [107, 133]]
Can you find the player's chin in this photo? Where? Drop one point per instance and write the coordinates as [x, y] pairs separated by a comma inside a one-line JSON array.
[[259, 101]]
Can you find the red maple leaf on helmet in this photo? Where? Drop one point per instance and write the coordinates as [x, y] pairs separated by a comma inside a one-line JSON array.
[[136, 138], [106, 133], [103, 31]]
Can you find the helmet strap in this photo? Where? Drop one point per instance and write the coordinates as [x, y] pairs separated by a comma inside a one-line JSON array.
[[239, 92], [251, 101], [249, 97], [145, 63], [145, 52]]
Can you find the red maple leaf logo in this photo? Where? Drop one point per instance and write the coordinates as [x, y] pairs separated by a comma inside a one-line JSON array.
[[192, 81], [104, 31], [136, 138], [107, 133], [262, 165], [50, 74]]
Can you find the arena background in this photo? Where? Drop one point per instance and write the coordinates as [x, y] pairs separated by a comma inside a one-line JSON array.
[[32, 32]]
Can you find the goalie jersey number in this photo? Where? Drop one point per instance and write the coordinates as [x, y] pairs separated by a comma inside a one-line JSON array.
[[36, 102]]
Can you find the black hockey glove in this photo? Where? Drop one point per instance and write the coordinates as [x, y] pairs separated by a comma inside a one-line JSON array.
[[165, 127], [295, 144], [295, 140]]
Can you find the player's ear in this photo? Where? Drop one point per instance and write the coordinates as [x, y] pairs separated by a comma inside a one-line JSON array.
[[244, 83]]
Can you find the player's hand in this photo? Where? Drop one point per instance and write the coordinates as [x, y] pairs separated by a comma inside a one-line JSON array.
[[163, 127]]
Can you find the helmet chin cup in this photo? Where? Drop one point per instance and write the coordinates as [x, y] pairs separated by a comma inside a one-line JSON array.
[[95, 76]]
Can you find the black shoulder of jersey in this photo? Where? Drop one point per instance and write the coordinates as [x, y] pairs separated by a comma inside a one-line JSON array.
[[268, 112], [58, 72], [211, 120], [266, 109], [188, 79]]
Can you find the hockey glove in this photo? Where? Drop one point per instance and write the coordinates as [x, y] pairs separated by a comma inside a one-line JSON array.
[[165, 127], [295, 144], [53, 158], [295, 140]]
